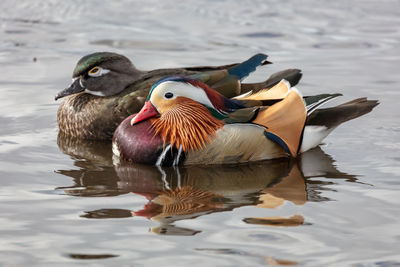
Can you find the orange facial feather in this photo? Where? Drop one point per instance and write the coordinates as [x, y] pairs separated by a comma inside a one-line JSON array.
[[186, 123]]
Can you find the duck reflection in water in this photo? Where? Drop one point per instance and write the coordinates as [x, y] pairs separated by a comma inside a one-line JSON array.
[[180, 193]]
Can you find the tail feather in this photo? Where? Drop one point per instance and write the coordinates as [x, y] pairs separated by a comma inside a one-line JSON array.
[[293, 76], [245, 68], [313, 102], [322, 121], [334, 116]]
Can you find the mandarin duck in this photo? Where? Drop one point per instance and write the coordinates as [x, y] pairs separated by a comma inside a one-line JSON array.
[[184, 121], [106, 88]]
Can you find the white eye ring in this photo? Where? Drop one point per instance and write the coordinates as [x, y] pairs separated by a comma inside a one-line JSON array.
[[97, 71]]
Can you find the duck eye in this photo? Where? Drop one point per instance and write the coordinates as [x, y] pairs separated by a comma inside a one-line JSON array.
[[97, 71], [94, 70], [169, 95]]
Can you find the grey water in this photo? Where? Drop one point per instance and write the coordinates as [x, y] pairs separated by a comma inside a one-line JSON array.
[[64, 203]]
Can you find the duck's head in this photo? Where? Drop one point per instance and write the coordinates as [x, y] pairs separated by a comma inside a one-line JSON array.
[[185, 112], [101, 74], [178, 95]]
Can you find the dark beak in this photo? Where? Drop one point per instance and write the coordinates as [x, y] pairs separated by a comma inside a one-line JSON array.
[[74, 88]]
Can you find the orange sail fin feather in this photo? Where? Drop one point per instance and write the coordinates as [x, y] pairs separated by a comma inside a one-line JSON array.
[[189, 125], [285, 119], [279, 91]]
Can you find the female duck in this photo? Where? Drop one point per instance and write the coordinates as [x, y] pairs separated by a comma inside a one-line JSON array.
[[107, 88], [184, 121]]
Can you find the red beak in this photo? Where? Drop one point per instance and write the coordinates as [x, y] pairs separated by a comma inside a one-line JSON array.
[[147, 111]]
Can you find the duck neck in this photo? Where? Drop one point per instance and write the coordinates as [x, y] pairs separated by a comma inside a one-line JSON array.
[[189, 126], [125, 80]]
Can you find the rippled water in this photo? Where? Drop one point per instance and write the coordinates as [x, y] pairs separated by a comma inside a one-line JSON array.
[[63, 203]]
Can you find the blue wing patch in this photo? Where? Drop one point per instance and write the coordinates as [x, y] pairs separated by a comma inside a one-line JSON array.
[[278, 140]]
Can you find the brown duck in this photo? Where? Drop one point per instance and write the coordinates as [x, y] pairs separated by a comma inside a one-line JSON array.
[[106, 88]]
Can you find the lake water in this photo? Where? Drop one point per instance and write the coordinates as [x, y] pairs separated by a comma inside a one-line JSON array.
[[63, 203]]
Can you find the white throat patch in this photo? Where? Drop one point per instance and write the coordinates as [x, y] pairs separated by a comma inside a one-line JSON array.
[[97, 93]]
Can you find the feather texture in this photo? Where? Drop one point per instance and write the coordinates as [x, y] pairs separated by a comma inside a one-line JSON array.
[[279, 91], [244, 69], [236, 143], [188, 124], [286, 120], [334, 116]]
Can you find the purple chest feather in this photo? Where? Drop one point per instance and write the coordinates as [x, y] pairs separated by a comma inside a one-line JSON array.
[[137, 143]]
